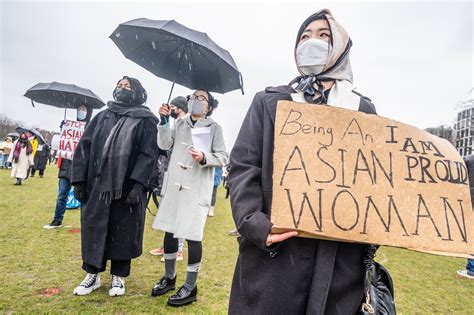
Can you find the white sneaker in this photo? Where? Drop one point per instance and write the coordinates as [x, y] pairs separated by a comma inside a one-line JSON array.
[[117, 287], [464, 273], [90, 283]]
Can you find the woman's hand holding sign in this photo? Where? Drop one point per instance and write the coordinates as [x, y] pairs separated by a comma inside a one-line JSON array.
[[273, 238]]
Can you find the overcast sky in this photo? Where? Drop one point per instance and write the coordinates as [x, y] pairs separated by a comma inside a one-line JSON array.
[[414, 60]]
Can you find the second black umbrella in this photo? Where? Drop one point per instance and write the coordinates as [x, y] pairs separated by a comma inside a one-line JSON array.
[[63, 95]]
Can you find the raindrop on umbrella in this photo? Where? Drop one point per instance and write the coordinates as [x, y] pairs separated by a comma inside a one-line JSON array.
[[117, 34], [136, 36], [153, 45]]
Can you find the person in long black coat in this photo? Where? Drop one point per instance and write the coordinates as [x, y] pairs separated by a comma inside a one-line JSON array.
[[40, 160], [281, 273], [110, 173]]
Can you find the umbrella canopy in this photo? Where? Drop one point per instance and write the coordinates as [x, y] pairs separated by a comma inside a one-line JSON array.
[[22, 129], [63, 95], [179, 54], [13, 135]]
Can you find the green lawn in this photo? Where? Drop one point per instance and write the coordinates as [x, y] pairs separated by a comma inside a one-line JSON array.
[[33, 259]]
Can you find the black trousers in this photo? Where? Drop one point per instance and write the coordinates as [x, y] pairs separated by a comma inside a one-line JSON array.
[[119, 268], [33, 171], [171, 244]]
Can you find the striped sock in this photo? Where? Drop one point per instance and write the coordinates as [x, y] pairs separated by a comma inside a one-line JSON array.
[[191, 275], [170, 265]]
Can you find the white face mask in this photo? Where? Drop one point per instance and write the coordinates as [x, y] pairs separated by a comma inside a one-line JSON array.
[[312, 56], [196, 107], [81, 115]]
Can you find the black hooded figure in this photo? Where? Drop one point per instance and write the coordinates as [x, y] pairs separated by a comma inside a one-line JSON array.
[[110, 174], [280, 273]]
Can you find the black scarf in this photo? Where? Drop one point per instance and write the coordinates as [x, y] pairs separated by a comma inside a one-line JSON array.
[[118, 147]]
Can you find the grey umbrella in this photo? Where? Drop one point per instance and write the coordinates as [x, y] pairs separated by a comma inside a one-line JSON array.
[[13, 135], [63, 95], [22, 129], [179, 54]]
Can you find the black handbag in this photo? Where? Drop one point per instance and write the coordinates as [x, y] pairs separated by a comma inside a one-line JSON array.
[[379, 295]]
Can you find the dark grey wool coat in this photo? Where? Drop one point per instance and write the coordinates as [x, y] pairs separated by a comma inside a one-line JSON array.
[[115, 231], [41, 157], [299, 275]]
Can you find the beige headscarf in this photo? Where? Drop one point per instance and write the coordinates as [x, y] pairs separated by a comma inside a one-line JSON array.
[[338, 67]]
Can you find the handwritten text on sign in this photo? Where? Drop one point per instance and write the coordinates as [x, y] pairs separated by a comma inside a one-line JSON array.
[[345, 175], [71, 133]]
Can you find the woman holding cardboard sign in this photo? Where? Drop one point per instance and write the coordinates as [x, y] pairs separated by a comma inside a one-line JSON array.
[[198, 147], [278, 272]]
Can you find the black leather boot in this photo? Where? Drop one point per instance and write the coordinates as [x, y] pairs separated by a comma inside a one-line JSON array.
[[18, 182], [184, 296], [164, 285]]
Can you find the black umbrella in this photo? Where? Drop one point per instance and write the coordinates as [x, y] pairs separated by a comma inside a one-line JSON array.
[[22, 129], [63, 95], [179, 54]]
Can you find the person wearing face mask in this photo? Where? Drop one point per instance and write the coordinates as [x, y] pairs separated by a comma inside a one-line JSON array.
[[83, 113], [21, 157], [187, 190], [300, 275], [179, 107], [110, 174]]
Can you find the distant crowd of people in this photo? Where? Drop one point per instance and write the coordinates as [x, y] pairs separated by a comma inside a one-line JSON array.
[[25, 156]]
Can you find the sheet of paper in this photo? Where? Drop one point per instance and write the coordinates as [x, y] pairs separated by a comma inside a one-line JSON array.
[[201, 138]]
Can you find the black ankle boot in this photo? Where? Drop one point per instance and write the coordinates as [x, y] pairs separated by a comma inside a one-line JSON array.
[[164, 285], [18, 182], [184, 296]]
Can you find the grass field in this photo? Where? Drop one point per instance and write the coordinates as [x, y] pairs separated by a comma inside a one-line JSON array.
[[36, 263]]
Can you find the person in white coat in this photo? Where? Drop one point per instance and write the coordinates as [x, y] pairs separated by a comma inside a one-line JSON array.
[[198, 146], [21, 158]]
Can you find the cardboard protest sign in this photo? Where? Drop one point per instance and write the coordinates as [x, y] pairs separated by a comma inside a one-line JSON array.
[[71, 133], [345, 175]]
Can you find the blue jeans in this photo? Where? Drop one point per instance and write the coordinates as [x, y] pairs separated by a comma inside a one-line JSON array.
[[63, 191], [3, 160], [470, 267]]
